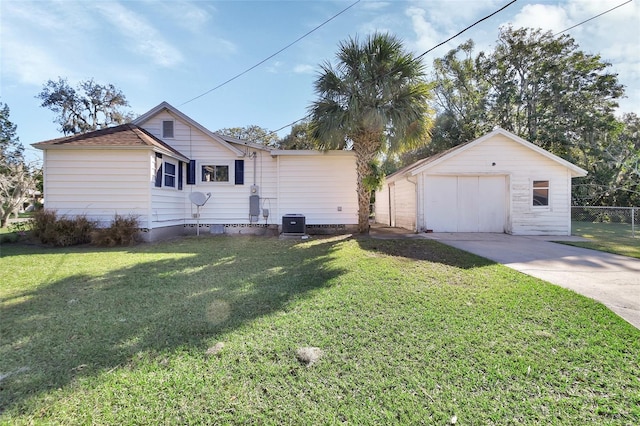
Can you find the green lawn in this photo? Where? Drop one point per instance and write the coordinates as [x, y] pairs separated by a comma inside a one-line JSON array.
[[610, 237], [412, 332]]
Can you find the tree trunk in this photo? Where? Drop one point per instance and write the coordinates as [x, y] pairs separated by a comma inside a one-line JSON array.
[[366, 146]]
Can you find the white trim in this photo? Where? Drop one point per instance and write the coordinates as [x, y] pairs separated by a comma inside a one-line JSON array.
[[576, 171], [309, 152], [176, 113], [534, 207], [175, 164], [116, 148], [173, 129], [215, 163]]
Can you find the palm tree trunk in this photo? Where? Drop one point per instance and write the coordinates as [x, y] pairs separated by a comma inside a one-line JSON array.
[[366, 146]]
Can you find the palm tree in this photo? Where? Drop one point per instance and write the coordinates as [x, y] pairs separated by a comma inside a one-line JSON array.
[[374, 100]]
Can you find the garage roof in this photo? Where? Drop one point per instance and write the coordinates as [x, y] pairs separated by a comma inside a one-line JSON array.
[[429, 162]]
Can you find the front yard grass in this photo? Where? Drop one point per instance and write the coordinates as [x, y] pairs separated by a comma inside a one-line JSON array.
[[411, 331], [610, 237]]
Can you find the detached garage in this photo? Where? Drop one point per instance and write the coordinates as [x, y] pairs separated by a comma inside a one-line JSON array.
[[497, 183]]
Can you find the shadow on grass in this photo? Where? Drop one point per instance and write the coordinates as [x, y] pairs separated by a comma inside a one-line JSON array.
[[423, 249], [187, 297]]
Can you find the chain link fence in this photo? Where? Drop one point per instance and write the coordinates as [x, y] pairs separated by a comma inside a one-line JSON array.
[[623, 220]]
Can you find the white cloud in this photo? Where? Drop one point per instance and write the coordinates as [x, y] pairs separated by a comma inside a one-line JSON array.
[[274, 67], [547, 17], [375, 5], [304, 69], [141, 37], [28, 63], [426, 34]]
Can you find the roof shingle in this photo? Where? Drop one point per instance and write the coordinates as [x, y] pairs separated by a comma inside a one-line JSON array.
[[124, 135]]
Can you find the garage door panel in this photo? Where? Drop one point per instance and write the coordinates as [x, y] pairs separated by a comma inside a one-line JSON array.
[[440, 203], [491, 213], [465, 203], [468, 201]]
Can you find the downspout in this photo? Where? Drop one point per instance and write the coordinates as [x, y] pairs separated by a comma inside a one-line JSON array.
[[389, 196], [415, 186]]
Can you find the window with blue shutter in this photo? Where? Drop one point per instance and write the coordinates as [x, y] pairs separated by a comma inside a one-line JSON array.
[[169, 174], [239, 172], [180, 173], [158, 170]]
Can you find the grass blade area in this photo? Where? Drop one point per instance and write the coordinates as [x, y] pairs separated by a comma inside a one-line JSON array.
[[411, 331], [610, 237]]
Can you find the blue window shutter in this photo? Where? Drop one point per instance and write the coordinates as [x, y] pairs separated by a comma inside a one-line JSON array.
[[191, 172], [158, 170], [239, 172], [180, 166]]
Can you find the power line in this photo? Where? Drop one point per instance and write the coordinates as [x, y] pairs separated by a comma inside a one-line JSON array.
[[593, 17], [421, 55], [474, 24], [469, 27], [271, 56]]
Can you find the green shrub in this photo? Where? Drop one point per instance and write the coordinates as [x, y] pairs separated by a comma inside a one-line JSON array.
[[10, 237], [123, 231], [61, 231]]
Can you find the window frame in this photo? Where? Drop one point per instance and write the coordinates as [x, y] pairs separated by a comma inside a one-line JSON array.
[[173, 129], [215, 164], [535, 188], [166, 175]]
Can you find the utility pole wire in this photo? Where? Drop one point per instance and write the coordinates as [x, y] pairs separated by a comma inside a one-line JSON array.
[[469, 27], [271, 56], [420, 56], [593, 17]]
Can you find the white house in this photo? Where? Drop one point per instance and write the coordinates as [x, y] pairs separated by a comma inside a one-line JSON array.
[[496, 183], [149, 167]]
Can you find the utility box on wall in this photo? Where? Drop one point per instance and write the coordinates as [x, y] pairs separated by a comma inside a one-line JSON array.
[[293, 224]]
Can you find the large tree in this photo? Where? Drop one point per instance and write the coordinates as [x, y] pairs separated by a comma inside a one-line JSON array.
[[613, 162], [251, 133], [546, 90], [300, 137], [87, 107], [373, 100], [17, 180], [11, 150]]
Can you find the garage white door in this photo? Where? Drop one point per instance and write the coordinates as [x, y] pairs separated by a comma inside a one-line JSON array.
[[465, 203]]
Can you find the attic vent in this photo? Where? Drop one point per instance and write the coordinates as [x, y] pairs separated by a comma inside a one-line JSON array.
[[167, 129]]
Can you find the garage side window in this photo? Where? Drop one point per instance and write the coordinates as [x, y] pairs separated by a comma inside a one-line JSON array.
[[540, 192]]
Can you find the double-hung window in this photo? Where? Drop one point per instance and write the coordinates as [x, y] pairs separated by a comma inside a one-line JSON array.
[[170, 174]]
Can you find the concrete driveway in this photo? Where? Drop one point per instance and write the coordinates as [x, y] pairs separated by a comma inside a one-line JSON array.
[[608, 278]]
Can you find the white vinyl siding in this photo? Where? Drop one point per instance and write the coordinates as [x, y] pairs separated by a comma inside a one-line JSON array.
[[321, 187], [98, 183], [523, 165], [509, 168], [382, 205], [402, 199], [229, 203]]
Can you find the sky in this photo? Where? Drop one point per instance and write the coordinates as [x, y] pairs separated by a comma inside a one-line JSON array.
[[177, 50]]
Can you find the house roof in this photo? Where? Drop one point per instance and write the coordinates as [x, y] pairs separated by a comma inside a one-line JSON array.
[[226, 141], [429, 162], [126, 135]]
